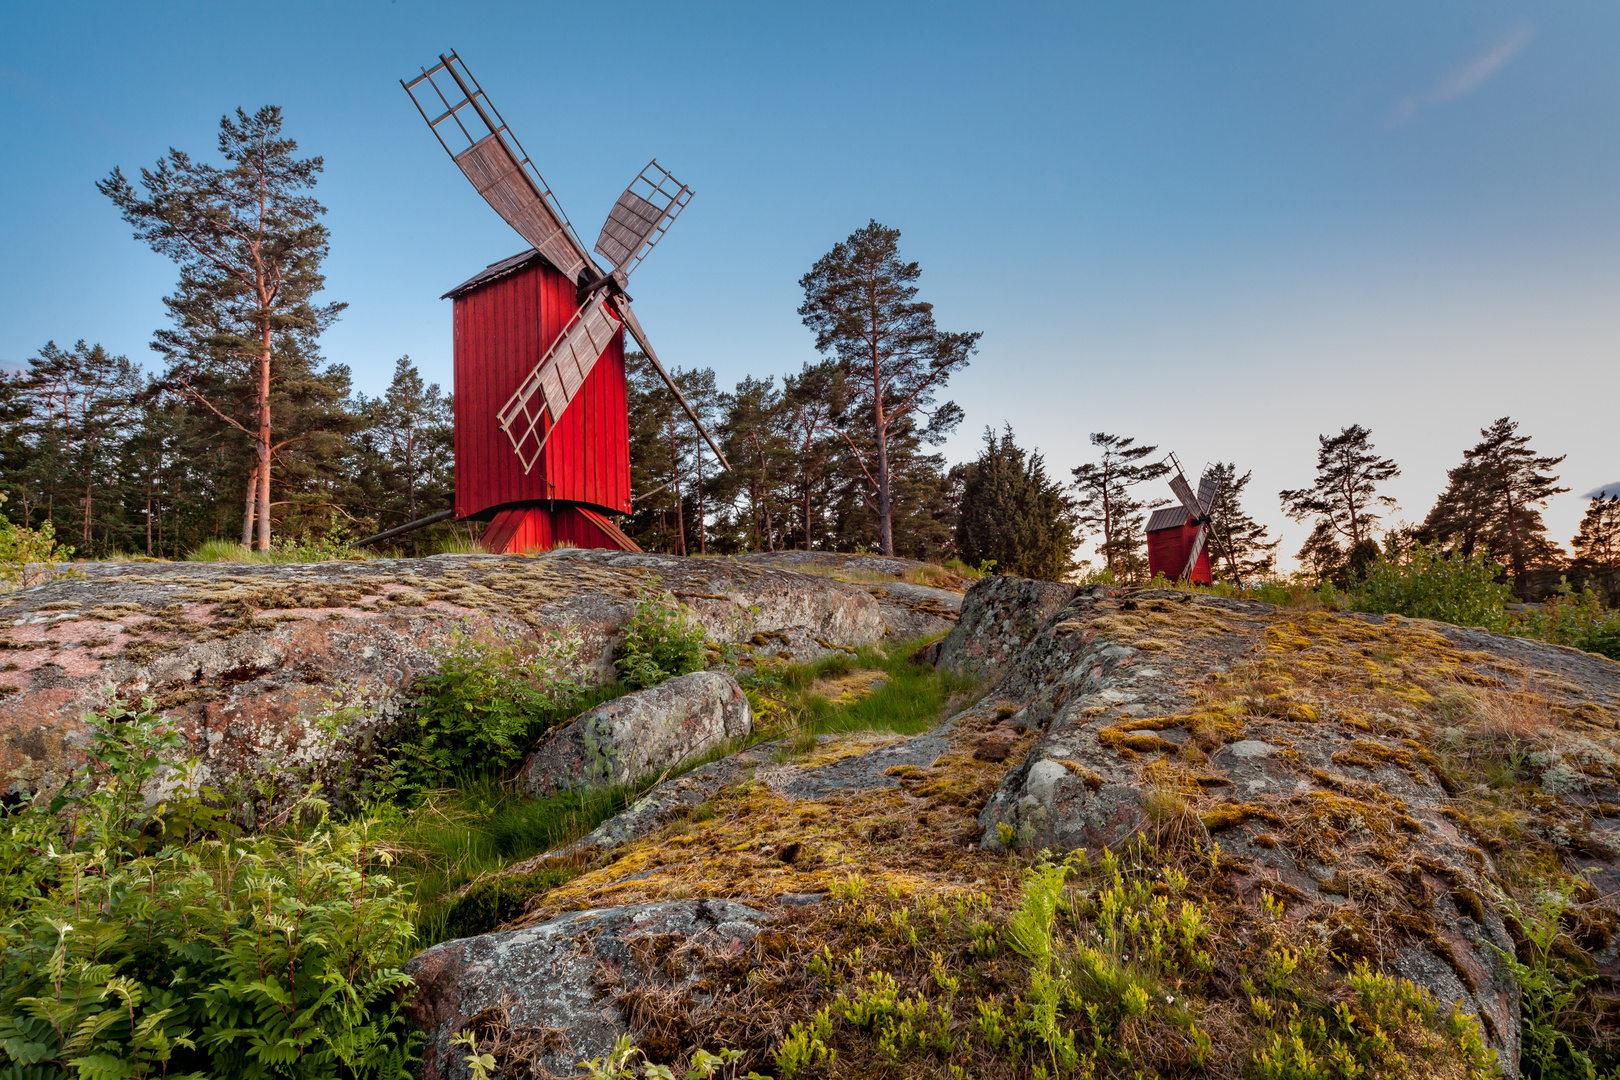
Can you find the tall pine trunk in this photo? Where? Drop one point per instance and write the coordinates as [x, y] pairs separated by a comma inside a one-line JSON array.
[[262, 525], [249, 505], [881, 425]]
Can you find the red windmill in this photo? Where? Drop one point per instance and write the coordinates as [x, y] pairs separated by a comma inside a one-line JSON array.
[[1178, 536], [542, 431]]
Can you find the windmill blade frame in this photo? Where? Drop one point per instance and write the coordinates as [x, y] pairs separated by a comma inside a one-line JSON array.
[[555, 381], [1209, 488], [640, 218], [1184, 492], [1197, 550], [495, 162]]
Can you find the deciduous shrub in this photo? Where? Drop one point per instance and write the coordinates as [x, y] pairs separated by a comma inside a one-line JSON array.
[[1576, 619], [1427, 583], [128, 951], [482, 710], [661, 641], [28, 556]]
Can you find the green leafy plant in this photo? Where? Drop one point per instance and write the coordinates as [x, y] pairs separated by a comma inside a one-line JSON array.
[[1427, 583], [29, 556], [124, 953], [1578, 619], [482, 710], [661, 641], [1551, 1023]]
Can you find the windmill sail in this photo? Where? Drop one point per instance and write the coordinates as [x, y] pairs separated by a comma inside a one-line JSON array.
[[499, 178], [473, 133], [1183, 492], [1197, 550], [1208, 488], [555, 380], [640, 218]]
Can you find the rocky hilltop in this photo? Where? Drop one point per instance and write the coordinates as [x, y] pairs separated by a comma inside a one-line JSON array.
[[284, 673], [1151, 833], [1283, 839]]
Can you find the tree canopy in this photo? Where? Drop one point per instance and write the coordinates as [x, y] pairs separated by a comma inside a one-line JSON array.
[[1013, 515]]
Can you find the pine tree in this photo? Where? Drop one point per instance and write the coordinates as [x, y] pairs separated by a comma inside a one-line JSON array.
[[1239, 548], [861, 300], [1493, 500], [1012, 514], [249, 242], [812, 411], [407, 450], [755, 439], [1107, 506], [83, 403], [1340, 503], [1597, 542]]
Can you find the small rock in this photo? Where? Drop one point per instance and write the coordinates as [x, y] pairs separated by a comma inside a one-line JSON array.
[[993, 749]]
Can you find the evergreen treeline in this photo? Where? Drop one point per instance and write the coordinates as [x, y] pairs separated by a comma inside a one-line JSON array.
[[246, 433]]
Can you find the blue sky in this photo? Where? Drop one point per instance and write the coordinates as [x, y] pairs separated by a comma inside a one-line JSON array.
[[1222, 228]]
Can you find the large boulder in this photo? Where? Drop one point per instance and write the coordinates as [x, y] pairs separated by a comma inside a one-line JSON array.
[[544, 990], [998, 617], [281, 675], [620, 741]]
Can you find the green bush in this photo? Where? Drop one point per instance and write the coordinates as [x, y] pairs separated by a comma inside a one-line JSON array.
[[661, 641], [1576, 619], [127, 951], [1427, 583], [481, 711], [28, 556]]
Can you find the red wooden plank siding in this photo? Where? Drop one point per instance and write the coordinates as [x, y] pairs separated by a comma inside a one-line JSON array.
[[1168, 550], [502, 329]]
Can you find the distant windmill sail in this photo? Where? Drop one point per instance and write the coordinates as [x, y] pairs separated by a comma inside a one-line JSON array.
[[1197, 509]]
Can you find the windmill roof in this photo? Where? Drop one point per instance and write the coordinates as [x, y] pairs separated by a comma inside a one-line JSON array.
[[1169, 517], [495, 270]]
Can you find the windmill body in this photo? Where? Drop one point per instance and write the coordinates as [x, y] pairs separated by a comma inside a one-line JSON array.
[[1178, 536], [506, 318], [541, 424]]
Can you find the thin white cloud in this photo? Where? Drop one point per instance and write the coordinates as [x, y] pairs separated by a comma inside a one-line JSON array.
[[1464, 79]]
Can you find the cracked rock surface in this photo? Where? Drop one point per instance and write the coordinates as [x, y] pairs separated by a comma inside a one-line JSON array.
[[288, 673]]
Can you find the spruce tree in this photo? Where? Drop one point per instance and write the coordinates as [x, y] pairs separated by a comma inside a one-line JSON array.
[[1239, 548], [1012, 514], [1493, 500], [406, 452], [249, 242]]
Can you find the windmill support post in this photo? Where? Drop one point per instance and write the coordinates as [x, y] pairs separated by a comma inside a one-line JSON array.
[[409, 526]]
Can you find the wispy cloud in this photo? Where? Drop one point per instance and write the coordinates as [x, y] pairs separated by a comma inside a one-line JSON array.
[[1607, 491], [1464, 79]]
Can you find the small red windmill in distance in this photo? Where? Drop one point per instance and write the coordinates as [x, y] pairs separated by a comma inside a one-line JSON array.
[[541, 424], [1178, 536]]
